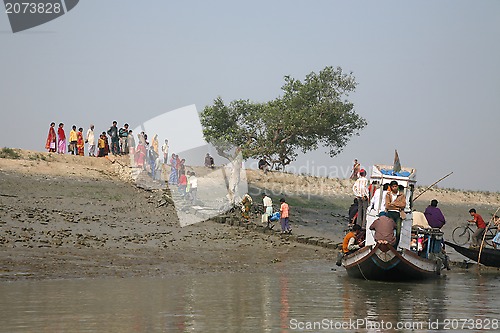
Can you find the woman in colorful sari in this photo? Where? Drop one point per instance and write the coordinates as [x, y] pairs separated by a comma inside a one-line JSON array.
[[80, 144], [246, 204], [50, 144], [140, 154], [174, 178], [61, 143], [155, 143], [178, 165], [106, 144]]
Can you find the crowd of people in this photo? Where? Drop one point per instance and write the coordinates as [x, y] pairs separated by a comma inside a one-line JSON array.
[[121, 141]]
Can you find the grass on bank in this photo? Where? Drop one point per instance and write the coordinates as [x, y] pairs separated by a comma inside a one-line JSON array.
[[13, 154]]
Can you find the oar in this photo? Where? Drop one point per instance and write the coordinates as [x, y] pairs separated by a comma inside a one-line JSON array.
[[484, 237], [431, 186]]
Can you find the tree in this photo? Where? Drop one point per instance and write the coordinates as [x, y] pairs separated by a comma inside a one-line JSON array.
[[310, 114]]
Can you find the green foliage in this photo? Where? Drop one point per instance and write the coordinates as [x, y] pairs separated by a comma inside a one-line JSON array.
[[310, 114], [38, 157], [10, 153]]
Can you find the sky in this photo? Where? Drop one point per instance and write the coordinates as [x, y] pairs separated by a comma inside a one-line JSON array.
[[428, 73]]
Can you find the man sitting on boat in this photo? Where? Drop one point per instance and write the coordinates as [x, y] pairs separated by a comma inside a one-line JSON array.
[[384, 228], [434, 216], [349, 244]]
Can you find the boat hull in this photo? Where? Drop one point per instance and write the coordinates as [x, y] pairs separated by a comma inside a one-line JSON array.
[[384, 263], [489, 257]]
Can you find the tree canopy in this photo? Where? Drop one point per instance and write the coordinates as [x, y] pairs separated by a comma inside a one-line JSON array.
[[308, 115]]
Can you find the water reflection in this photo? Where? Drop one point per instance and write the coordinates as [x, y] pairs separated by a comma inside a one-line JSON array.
[[282, 301]]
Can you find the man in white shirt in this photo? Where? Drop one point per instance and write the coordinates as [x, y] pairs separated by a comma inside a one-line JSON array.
[[193, 182], [268, 204], [360, 189], [375, 203], [268, 208], [164, 149], [89, 139]]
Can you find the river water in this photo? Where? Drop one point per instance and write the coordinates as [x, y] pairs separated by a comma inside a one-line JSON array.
[[289, 299]]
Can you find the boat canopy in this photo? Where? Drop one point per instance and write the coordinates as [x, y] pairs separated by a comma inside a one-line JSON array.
[[385, 174]]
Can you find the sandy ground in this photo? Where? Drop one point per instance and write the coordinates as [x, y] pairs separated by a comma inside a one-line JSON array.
[[73, 217]]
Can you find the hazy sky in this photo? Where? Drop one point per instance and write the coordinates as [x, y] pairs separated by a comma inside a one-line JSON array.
[[428, 72]]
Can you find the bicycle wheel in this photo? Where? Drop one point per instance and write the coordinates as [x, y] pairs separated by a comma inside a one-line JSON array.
[[490, 234], [461, 235]]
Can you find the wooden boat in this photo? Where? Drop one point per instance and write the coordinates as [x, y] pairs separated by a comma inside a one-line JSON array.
[[384, 263], [489, 257], [418, 255]]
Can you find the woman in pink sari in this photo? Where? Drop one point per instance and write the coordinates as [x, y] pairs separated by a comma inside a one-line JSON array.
[[61, 144], [50, 144]]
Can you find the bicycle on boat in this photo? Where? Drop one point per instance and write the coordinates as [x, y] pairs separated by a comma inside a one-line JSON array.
[[463, 234]]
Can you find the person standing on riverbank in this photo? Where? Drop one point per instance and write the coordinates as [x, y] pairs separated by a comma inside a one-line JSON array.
[[61, 143], [123, 135], [193, 188], [101, 144], [50, 144], [267, 202], [73, 138], [164, 150], [481, 227], [90, 140], [355, 170], [285, 217], [80, 143], [246, 204], [113, 134]]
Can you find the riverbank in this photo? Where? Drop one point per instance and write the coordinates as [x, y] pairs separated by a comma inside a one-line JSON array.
[[64, 216]]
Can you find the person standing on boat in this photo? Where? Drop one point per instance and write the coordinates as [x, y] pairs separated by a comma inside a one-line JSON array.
[[375, 200], [353, 211], [481, 226], [349, 244], [384, 229], [360, 189], [496, 240], [395, 202], [434, 216]]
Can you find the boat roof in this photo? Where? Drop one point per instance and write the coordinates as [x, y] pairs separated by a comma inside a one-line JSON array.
[[385, 174]]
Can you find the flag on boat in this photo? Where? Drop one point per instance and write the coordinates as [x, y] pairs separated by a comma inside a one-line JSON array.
[[397, 164]]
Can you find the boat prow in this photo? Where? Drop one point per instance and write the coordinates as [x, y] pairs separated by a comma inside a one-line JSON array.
[[384, 263], [489, 257]]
